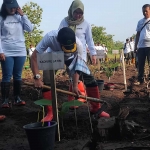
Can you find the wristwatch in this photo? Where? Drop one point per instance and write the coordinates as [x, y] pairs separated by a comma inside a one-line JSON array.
[[37, 76]]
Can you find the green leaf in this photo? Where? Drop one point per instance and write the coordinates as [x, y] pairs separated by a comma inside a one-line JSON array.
[[43, 102], [67, 105], [114, 65]]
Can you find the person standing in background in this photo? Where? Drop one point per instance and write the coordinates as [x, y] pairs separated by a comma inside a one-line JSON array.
[[98, 47], [12, 49], [75, 20], [105, 51], [142, 43], [127, 52], [132, 43]]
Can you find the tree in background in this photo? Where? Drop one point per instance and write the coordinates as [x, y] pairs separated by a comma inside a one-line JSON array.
[[118, 45], [134, 35], [34, 13], [99, 35]]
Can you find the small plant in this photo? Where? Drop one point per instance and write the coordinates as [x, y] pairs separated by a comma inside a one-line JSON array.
[[109, 69], [66, 105], [42, 103], [95, 71], [64, 109]]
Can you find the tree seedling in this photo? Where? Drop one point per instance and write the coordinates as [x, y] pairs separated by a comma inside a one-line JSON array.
[[64, 109]]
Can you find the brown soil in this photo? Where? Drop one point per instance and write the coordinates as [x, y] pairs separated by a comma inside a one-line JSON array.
[[74, 137]]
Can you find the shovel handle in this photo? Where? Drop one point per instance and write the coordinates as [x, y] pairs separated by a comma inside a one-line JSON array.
[[69, 93]]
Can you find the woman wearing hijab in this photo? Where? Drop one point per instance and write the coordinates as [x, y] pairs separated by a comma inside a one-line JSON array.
[[75, 20]]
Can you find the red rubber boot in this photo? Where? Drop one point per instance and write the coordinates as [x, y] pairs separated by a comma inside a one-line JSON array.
[[94, 92], [81, 87], [49, 116]]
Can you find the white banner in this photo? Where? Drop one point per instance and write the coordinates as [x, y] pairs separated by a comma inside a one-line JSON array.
[[115, 51], [100, 54], [50, 61]]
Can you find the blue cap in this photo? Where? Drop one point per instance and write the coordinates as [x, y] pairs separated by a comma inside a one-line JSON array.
[[11, 3]]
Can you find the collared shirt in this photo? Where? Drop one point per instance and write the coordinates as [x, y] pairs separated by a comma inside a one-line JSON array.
[[83, 32], [144, 39], [132, 43], [50, 41], [127, 48]]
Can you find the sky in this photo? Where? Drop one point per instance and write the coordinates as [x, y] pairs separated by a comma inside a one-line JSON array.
[[119, 17]]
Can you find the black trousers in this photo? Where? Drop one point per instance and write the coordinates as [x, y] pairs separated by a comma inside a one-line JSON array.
[[127, 56], [132, 54], [88, 80], [142, 54]]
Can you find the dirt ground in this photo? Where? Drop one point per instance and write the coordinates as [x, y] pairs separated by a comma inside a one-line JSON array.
[[76, 134]]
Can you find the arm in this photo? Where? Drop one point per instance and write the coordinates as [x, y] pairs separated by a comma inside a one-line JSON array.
[[41, 47], [87, 50], [34, 67], [138, 29], [27, 25], [75, 83], [136, 41], [2, 56], [90, 43]]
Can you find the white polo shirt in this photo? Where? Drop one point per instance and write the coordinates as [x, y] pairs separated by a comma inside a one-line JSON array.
[[83, 32], [127, 48], [99, 48], [49, 43], [132, 43], [144, 39]]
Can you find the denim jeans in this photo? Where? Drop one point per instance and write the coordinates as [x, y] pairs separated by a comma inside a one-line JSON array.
[[143, 53], [12, 66]]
